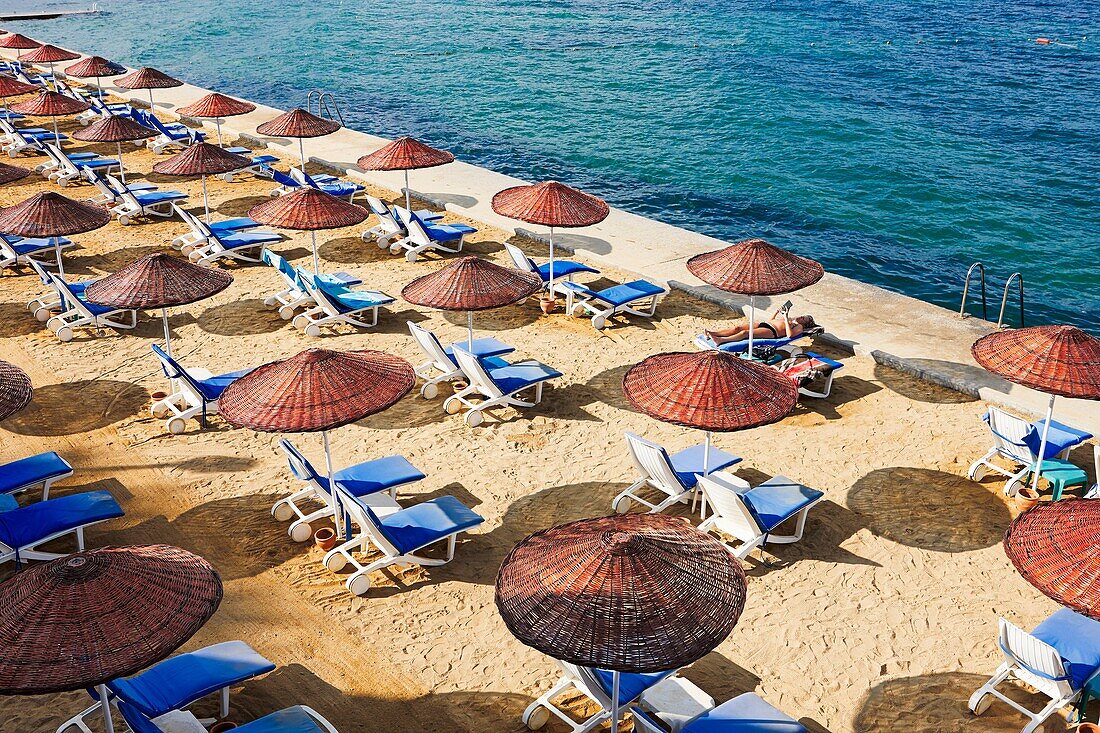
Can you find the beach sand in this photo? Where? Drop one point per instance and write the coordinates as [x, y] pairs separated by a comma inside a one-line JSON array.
[[882, 619]]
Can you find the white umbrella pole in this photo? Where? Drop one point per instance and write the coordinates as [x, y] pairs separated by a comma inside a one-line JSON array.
[[53, 78], [121, 168], [57, 253], [105, 703], [706, 472], [408, 198], [167, 335], [615, 701], [205, 200], [550, 284], [218, 124], [470, 330], [337, 510], [752, 321], [302, 153], [99, 87], [1042, 446], [316, 256], [150, 100]]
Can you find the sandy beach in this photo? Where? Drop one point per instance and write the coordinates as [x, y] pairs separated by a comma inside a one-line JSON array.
[[882, 619]]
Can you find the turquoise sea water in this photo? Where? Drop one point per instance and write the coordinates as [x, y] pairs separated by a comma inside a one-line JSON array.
[[896, 141]]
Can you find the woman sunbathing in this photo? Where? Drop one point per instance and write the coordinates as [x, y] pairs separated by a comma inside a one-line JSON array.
[[779, 326]]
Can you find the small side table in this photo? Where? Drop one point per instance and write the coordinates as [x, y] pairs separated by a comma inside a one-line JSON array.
[[1061, 475]]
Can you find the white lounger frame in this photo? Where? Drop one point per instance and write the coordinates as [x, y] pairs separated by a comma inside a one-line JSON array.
[[184, 402], [293, 296], [481, 385], [732, 517], [27, 552], [1010, 447], [77, 314], [438, 368], [1036, 654], [387, 227], [656, 473], [129, 206]]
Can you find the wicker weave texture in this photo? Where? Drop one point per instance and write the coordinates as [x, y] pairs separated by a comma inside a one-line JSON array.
[[49, 214], [11, 173], [551, 204], [215, 105], [98, 615], [112, 129], [50, 104], [1056, 547], [298, 123], [755, 267], [308, 209], [1058, 360], [201, 159], [158, 280], [316, 390], [147, 78], [11, 87], [634, 592], [709, 390], [18, 41], [471, 284], [404, 153], [94, 66], [15, 389], [48, 53]]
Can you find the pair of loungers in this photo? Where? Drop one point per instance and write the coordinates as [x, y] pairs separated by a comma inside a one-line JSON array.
[[64, 307], [238, 239], [24, 528], [297, 178], [65, 168], [365, 495], [128, 201], [18, 252], [413, 232]]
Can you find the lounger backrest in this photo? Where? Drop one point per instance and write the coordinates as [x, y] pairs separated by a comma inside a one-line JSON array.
[[588, 683], [284, 180], [99, 182], [316, 287], [654, 463], [520, 260], [303, 178], [39, 270], [123, 192], [300, 465], [416, 232], [56, 156], [285, 269], [430, 345], [174, 370], [136, 719], [71, 301], [1040, 664], [721, 492], [475, 372], [1008, 434], [385, 216], [363, 516]]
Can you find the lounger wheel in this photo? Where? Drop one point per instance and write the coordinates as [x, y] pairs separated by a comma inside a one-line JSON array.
[[336, 561], [429, 391], [599, 322], [1013, 486], [227, 177], [977, 472], [980, 705], [64, 334], [451, 406], [359, 584], [535, 718], [300, 531], [286, 312], [621, 505], [124, 220], [282, 511], [160, 412], [177, 425], [410, 256], [313, 330], [42, 314], [474, 418], [63, 182], [383, 243]]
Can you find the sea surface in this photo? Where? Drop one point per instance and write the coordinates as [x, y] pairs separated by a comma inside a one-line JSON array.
[[895, 141]]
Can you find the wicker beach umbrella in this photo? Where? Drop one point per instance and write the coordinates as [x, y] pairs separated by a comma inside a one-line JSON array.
[[471, 284], [51, 104], [158, 280], [12, 87], [18, 41], [551, 204], [15, 389], [117, 130], [405, 154], [51, 215], [148, 78], [216, 106], [629, 593], [1056, 547], [98, 615], [309, 209], [709, 390], [755, 267], [1061, 361], [48, 54], [300, 124], [317, 391], [201, 159], [94, 66], [12, 173]]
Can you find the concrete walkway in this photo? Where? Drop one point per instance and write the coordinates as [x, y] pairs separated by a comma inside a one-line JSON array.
[[897, 331]]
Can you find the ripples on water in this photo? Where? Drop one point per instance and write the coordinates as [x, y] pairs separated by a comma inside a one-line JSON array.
[[895, 141]]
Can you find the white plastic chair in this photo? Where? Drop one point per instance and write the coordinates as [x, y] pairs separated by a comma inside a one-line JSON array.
[[1008, 442], [528, 375], [658, 470]]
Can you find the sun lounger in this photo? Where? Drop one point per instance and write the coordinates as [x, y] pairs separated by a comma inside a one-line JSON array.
[[497, 382], [638, 298], [199, 231], [136, 202], [100, 109], [15, 140], [751, 515], [171, 136], [67, 168], [259, 166], [1017, 441], [442, 365], [108, 195], [813, 373], [195, 392], [295, 295], [746, 713], [328, 184], [48, 167], [399, 534], [1056, 659], [422, 236], [289, 183], [388, 227], [244, 246], [27, 251], [676, 475], [380, 477], [563, 269], [338, 304], [79, 313], [48, 304], [703, 342], [297, 719], [43, 470], [23, 529]]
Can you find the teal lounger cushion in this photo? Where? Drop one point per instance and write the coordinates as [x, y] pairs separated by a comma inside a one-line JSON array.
[[32, 523], [32, 471]]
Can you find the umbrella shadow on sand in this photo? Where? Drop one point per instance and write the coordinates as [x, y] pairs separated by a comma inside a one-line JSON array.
[[70, 408], [929, 509], [238, 206], [109, 262], [497, 319], [16, 320], [239, 318], [352, 251]]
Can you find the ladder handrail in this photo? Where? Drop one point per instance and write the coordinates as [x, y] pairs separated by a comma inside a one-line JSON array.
[[327, 105], [1004, 299], [966, 289]]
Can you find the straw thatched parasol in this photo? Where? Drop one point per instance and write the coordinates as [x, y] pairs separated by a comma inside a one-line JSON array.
[[48, 54], [51, 215], [216, 106], [94, 66], [51, 104], [309, 209], [15, 389], [148, 78], [201, 159], [117, 130], [18, 41], [404, 154], [300, 124], [12, 173]]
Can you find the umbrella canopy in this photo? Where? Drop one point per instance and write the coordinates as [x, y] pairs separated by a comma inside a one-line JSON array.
[[551, 204], [404, 153], [113, 129], [50, 104], [18, 41], [471, 284], [201, 159], [709, 390], [50, 214], [94, 66], [631, 593], [11, 87], [1057, 360], [48, 54], [148, 78], [309, 209], [97, 615], [11, 173], [316, 390], [15, 389], [755, 267], [298, 123], [158, 280], [1056, 547], [216, 105]]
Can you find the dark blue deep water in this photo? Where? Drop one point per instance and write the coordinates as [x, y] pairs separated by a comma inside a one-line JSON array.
[[896, 141]]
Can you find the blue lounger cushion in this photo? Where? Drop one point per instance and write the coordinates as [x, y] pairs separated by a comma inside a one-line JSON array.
[[349, 301], [515, 377], [421, 525], [233, 225], [181, 680], [1077, 640], [423, 215], [631, 684], [483, 347], [562, 268], [29, 524], [747, 713], [248, 239], [688, 463], [157, 197], [32, 471], [212, 387], [288, 720], [737, 347], [446, 232], [81, 156], [620, 294], [29, 245], [370, 477], [778, 499], [94, 163], [263, 159]]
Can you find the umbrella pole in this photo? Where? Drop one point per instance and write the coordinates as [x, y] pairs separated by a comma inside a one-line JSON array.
[[316, 256], [615, 701], [337, 510], [57, 253], [706, 472], [752, 320], [218, 124], [105, 703], [167, 335], [150, 100], [550, 284], [408, 198], [205, 200], [302, 153], [99, 87], [53, 78], [1042, 446], [470, 331]]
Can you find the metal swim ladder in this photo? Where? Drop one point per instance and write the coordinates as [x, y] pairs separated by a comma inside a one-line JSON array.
[[326, 105], [1016, 276]]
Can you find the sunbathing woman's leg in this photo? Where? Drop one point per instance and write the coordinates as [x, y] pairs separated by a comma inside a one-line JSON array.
[[758, 333]]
